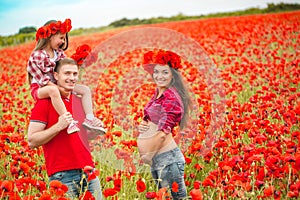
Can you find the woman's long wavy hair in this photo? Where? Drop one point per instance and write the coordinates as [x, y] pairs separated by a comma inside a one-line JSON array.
[[178, 83]]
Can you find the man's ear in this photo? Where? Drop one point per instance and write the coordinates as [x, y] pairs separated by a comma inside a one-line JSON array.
[[55, 75]]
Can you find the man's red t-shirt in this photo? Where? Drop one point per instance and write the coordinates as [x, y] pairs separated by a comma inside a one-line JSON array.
[[65, 151]]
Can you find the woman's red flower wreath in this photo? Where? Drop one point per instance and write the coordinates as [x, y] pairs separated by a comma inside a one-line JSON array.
[[52, 28], [162, 57]]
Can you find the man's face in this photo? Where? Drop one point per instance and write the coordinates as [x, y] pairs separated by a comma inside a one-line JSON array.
[[67, 76]]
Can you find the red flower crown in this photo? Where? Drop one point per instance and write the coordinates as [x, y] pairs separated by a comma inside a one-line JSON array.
[[52, 28], [162, 57]]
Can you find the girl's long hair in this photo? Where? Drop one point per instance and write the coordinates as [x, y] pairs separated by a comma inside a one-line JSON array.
[[42, 43], [182, 90]]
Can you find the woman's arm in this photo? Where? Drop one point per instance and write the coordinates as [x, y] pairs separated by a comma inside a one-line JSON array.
[[155, 143]]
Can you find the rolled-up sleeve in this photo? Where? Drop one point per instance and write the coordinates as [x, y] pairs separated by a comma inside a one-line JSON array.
[[171, 114]]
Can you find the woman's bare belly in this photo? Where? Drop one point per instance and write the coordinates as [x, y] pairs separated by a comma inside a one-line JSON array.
[[145, 141]]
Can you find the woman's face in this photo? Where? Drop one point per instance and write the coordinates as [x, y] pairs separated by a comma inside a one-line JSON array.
[[162, 76], [57, 40]]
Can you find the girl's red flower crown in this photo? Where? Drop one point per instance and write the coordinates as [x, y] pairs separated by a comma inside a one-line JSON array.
[[52, 28], [162, 57]]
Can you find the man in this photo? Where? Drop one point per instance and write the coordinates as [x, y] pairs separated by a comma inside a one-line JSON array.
[[65, 154]]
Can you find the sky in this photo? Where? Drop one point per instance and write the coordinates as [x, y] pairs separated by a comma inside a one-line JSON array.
[[16, 14]]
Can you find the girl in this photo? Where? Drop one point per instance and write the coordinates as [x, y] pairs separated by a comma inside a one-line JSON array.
[[52, 40], [168, 107]]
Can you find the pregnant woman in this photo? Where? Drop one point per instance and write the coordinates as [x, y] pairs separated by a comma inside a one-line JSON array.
[[168, 108]]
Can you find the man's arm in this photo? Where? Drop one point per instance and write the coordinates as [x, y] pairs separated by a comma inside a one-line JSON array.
[[38, 135]]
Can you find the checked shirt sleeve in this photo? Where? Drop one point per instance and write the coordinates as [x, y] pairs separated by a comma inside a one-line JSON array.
[[37, 67], [171, 114]]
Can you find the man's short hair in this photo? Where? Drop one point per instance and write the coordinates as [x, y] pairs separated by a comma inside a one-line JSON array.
[[64, 61]]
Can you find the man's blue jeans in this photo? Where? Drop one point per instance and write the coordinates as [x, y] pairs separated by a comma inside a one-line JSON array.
[[73, 179]]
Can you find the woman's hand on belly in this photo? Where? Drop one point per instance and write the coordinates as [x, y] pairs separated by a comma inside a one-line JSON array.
[[145, 139], [143, 127]]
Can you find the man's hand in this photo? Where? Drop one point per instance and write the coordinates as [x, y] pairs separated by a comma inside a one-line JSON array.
[[64, 120]]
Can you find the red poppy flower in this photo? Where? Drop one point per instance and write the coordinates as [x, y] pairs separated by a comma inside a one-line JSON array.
[[150, 195], [91, 172], [45, 196], [198, 167], [297, 163], [56, 187], [187, 160], [161, 57], [43, 32], [87, 169], [197, 184], [148, 57], [208, 182], [81, 53], [92, 58], [109, 192], [196, 194], [7, 186], [175, 186], [268, 192], [66, 26], [117, 133], [87, 195], [122, 154], [55, 184], [41, 185], [84, 48], [54, 27], [118, 184], [140, 185], [109, 178], [162, 194]]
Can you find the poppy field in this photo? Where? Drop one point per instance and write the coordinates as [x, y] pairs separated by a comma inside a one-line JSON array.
[[252, 154]]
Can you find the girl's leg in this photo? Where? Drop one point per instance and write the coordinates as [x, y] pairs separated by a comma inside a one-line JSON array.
[[90, 122], [86, 99], [53, 93]]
